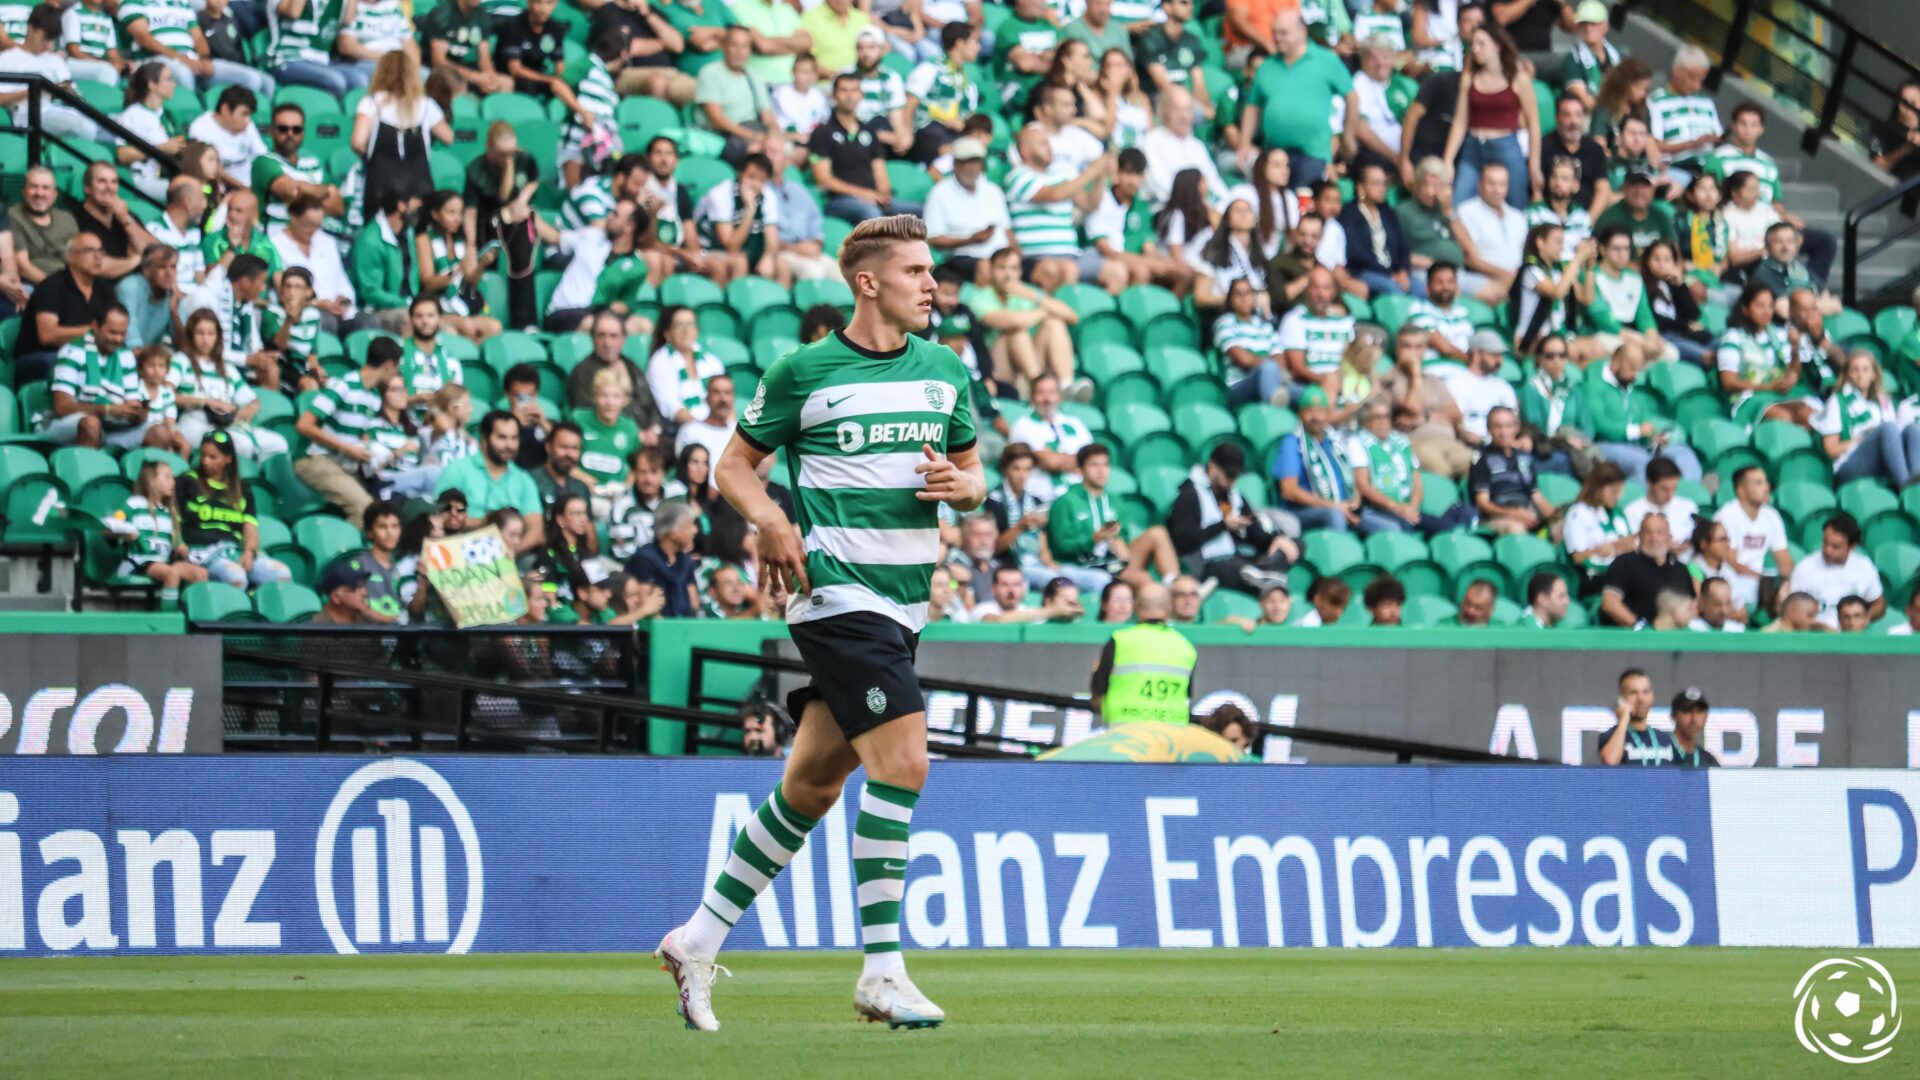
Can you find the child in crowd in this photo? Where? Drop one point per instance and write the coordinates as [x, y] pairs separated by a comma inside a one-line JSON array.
[[611, 437], [801, 106], [144, 525], [448, 439], [155, 365]]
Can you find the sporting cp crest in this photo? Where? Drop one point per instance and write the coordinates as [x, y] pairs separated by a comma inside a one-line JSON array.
[[936, 395], [752, 415], [877, 700]]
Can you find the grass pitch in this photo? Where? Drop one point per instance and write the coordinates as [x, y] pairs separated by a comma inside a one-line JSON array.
[[1395, 1013]]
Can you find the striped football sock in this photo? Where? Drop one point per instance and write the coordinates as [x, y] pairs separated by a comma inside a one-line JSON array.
[[760, 851], [880, 869]]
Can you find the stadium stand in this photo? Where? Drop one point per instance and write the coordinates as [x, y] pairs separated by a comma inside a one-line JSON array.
[[284, 296]]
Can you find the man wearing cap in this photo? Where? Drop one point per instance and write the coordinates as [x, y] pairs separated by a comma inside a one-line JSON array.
[[1632, 741], [345, 588], [1689, 714], [1315, 482], [966, 212], [1645, 220], [1592, 56], [1478, 388]]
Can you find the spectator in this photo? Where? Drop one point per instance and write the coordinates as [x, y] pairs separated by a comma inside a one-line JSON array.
[[338, 424], [92, 42], [1717, 611], [1428, 223], [378, 29], [1863, 433], [449, 413], [1662, 497], [715, 430], [1385, 598], [1478, 388], [1742, 153], [1028, 332], [1558, 206], [392, 580], [1754, 532], [1676, 311], [1592, 56], [1912, 625], [1290, 273], [1492, 235], [606, 259], [96, 391], [1632, 741], [1496, 121], [291, 328], [1447, 324], [396, 467], [1054, 436], [1501, 481], [1689, 714], [1116, 602], [967, 213], [1386, 475], [1476, 605], [1439, 32], [1215, 533], [801, 105], [1328, 598], [1684, 121], [1646, 221], [177, 230], [284, 174], [1090, 542], [559, 476], [766, 731], [104, 214], [1632, 139], [1783, 271], [1631, 587], [302, 35], [382, 262], [1424, 409], [426, 365], [1185, 595], [1570, 141], [1019, 509], [609, 440], [802, 229], [232, 293], [1548, 601], [144, 527], [1314, 336], [1747, 219], [393, 127], [457, 36], [678, 367], [609, 338], [1025, 44], [848, 164], [1537, 304], [217, 521], [212, 395], [1277, 209], [303, 242], [347, 599], [1553, 410], [1276, 606], [883, 94], [1894, 143], [1823, 361], [1171, 148], [490, 480], [1061, 600], [834, 28], [500, 184], [241, 235], [1292, 94], [1854, 616], [1797, 616], [1377, 253], [1627, 442], [1756, 362], [1313, 478], [1042, 195], [734, 102], [1379, 133], [630, 519], [1229, 721], [39, 54], [1594, 531], [151, 297], [973, 560], [1170, 58], [1251, 345], [1841, 570]]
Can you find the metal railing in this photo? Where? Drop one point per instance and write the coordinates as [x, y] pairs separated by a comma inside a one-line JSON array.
[[1844, 80], [970, 741], [1850, 254], [40, 89]]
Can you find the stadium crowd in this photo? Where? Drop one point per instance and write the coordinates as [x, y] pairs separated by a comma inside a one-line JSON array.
[[1412, 300]]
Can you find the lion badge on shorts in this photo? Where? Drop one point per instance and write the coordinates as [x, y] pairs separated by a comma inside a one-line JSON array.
[[877, 700]]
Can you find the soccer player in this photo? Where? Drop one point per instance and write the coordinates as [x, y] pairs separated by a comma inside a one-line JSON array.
[[878, 431]]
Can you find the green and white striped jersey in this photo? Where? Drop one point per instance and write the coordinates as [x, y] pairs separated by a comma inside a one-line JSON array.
[[595, 94], [226, 383], [347, 409], [852, 423], [13, 19], [91, 29], [944, 95], [882, 90], [309, 37], [1576, 223], [1454, 323], [589, 202], [1323, 338], [1389, 462], [426, 373], [170, 22], [1677, 118], [1367, 25], [1041, 228], [1256, 335], [91, 377], [1726, 160], [303, 337], [381, 25], [269, 167], [152, 539]]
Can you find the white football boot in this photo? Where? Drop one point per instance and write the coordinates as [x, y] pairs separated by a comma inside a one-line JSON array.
[[894, 1000], [694, 977]]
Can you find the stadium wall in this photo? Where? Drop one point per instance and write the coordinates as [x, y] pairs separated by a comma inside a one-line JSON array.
[[94, 684], [456, 854], [1799, 701]]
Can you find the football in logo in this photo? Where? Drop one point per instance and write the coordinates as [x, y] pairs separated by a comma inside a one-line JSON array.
[[877, 700], [936, 395], [851, 435], [1848, 1009]]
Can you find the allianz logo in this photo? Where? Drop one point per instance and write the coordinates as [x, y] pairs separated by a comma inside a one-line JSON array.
[[396, 867]]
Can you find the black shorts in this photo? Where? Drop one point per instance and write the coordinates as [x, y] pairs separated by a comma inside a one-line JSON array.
[[862, 667]]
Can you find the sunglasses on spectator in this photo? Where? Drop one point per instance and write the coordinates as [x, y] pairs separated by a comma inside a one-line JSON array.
[[1553, 354], [289, 129]]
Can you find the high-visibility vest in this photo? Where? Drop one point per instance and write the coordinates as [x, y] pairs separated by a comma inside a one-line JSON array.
[[1152, 675]]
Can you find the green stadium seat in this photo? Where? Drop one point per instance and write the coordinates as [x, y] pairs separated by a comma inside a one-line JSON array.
[[1331, 553], [806, 294], [1898, 563], [832, 231], [285, 602], [1848, 324], [1132, 421], [99, 568], [1893, 324], [449, 172], [1455, 551], [1222, 603], [1805, 464], [1263, 425], [1201, 422], [1713, 436], [699, 174], [1426, 609], [78, 466], [1676, 380], [1392, 550], [1157, 448], [358, 342], [1868, 501], [567, 350], [750, 295], [1775, 439], [1172, 364], [103, 495], [770, 348], [645, 117], [1391, 313], [1559, 489], [1524, 555], [1134, 388], [33, 512], [730, 351], [1103, 363], [1085, 300], [1802, 502], [1105, 328], [910, 182], [1159, 485], [1089, 415], [211, 601], [1173, 328], [130, 464], [1198, 390], [327, 538], [514, 108], [1437, 494], [509, 347], [1255, 488], [312, 101], [1142, 304]]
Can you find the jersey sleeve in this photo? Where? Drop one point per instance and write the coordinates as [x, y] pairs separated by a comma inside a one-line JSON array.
[[960, 430], [772, 419]]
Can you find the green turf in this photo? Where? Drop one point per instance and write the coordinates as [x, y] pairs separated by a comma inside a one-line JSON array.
[[1399, 1013]]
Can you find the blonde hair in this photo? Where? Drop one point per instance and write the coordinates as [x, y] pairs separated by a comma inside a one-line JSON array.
[[871, 238], [1878, 390], [612, 378], [444, 397], [396, 77], [498, 133]]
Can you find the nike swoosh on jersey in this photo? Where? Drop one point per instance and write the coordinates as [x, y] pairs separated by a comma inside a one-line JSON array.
[[893, 867], [832, 404]]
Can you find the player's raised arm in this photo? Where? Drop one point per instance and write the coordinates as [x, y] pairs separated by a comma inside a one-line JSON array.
[[738, 478]]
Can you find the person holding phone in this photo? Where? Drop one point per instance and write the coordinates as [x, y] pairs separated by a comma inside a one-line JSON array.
[[1633, 741]]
